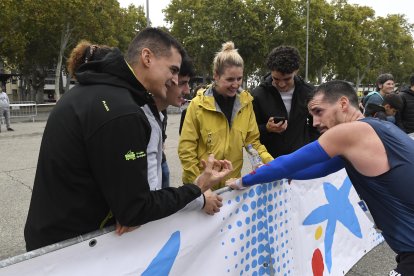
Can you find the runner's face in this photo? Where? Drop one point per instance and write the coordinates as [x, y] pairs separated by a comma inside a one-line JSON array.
[[325, 114]]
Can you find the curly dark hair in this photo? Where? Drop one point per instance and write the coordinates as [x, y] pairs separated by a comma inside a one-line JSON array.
[[285, 59]]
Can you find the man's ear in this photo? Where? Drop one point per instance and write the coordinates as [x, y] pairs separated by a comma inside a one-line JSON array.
[[344, 102], [146, 57]]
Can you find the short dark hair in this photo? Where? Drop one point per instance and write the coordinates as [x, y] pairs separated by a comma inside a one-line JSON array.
[[333, 90], [383, 78], [412, 80], [187, 68], [155, 39], [285, 59], [394, 100]]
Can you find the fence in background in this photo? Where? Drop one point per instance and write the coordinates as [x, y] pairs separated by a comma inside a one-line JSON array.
[[23, 109]]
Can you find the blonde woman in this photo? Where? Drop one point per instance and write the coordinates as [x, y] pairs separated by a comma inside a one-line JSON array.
[[220, 119]]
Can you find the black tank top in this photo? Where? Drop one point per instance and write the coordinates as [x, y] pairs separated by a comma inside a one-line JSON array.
[[390, 196]]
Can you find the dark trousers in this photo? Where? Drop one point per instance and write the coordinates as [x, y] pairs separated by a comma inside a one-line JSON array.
[[405, 264]]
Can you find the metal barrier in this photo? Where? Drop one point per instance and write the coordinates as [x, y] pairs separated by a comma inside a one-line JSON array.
[[23, 109]]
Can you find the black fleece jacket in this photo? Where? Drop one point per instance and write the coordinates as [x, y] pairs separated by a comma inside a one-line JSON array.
[[268, 103], [407, 113], [92, 167]]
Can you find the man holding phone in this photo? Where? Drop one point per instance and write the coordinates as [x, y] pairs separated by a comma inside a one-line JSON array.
[[280, 104]]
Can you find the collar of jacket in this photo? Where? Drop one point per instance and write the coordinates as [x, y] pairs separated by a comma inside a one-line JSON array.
[[206, 99], [408, 91]]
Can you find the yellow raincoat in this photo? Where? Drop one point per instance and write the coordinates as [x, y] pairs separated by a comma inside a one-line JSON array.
[[206, 130]]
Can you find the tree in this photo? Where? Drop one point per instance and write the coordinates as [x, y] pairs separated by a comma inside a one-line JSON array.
[[202, 26], [351, 32], [46, 30]]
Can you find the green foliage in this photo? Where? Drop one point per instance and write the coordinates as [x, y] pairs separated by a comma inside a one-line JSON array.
[[346, 41], [31, 30]]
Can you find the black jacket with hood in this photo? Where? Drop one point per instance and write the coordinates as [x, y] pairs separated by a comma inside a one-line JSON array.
[[268, 103], [92, 167], [407, 113]]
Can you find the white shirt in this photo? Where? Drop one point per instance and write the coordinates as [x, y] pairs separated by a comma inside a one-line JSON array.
[[287, 99]]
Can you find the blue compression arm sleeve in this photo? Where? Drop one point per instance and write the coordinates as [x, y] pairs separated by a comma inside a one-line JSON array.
[[319, 170], [287, 165]]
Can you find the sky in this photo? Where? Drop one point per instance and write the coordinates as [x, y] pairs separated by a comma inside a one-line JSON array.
[[381, 7]]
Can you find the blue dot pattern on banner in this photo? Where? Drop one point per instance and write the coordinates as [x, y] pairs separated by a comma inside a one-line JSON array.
[[376, 238], [259, 231]]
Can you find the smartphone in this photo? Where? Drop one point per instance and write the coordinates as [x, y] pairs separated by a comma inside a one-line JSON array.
[[277, 119]]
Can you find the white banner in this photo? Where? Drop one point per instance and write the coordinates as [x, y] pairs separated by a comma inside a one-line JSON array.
[[331, 230], [306, 228]]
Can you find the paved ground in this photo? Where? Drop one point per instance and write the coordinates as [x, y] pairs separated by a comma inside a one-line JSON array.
[[19, 151]]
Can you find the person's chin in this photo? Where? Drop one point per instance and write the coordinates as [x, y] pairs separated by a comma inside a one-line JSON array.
[[231, 93], [322, 130]]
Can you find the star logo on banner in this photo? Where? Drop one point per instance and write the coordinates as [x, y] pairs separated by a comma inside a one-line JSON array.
[[337, 200]]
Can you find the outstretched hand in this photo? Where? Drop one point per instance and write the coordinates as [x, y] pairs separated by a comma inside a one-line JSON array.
[[214, 172]]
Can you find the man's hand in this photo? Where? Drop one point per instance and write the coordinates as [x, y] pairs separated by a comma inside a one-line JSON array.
[[277, 128], [119, 229], [214, 172], [235, 183], [213, 203]]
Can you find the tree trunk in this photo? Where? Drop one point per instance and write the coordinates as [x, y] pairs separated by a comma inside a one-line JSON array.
[[21, 88], [40, 95], [68, 80], [38, 86], [64, 39], [320, 75]]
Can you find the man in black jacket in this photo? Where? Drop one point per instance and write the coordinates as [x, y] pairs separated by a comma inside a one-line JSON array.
[[407, 112], [92, 167], [280, 104]]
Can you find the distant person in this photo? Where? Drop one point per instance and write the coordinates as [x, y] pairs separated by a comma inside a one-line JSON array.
[[280, 104], [388, 110], [220, 119], [407, 112], [377, 155], [5, 109], [92, 169], [384, 85]]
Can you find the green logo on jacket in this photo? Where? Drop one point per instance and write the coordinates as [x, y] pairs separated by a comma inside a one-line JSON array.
[[130, 155]]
